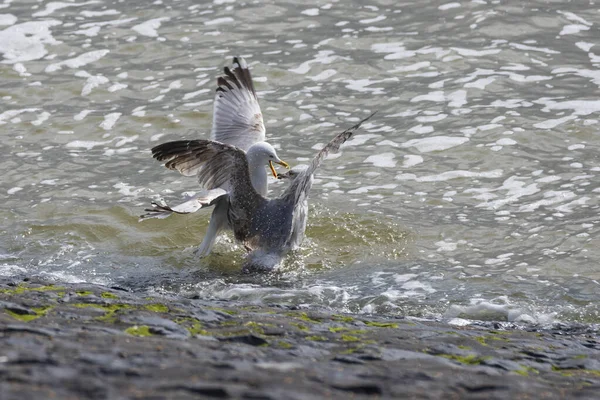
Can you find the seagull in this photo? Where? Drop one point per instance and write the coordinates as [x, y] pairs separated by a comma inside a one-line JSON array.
[[267, 228], [237, 121]]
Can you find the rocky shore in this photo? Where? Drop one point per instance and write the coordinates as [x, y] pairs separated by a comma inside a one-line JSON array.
[[83, 341]]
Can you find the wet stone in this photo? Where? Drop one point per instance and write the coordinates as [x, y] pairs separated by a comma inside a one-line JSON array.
[[360, 388], [202, 349], [506, 365], [250, 339], [348, 360], [15, 308], [159, 326]]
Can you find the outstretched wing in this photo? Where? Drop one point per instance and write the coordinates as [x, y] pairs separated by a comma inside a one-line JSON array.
[[191, 205], [298, 189], [237, 119], [217, 165]]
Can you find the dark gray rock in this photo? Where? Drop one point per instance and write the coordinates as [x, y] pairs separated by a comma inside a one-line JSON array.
[[82, 347]]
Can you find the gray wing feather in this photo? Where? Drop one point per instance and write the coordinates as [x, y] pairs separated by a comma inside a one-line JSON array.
[[237, 118], [217, 165], [191, 205], [299, 188]]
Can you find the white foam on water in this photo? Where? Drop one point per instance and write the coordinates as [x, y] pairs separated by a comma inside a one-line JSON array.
[[93, 82], [551, 197], [357, 140], [122, 140], [322, 57], [11, 270], [91, 14], [432, 117], [110, 120], [7, 19], [372, 20], [219, 21], [549, 179], [408, 287], [411, 160], [312, 12], [11, 114], [25, 41], [498, 309], [85, 144], [448, 175], [79, 61], [448, 6], [592, 74], [412, 67], [520, 46], [435, 143], [115, 22], [198, 103], [569, 207], [361, 85], [445, 245], [553, 123], [128, 190], [579, 107], [574, 17], [500, 259], [383, 160], [457, 98], [459, 322], [515, 189], [191, 95], [149, 28], [116, 87], [366, 189], [89, 32], [82, 114], [324, 75], [573, 29], [14, 190], [173, 85], [20, 68], [42, 117], [421, 129], [58, 5], [480, 83], [395, 50], [506, 142], [585, 46], [475, 53]]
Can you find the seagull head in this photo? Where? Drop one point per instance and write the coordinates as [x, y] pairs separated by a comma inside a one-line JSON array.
[[263, 152]]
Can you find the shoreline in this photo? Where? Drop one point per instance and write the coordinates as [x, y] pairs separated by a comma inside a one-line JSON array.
[[87, 341]]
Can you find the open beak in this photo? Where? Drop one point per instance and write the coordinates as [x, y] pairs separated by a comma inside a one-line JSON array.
[[280, 162]]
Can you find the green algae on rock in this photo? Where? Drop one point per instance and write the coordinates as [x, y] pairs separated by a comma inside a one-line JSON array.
[[37, 312], [22, 288], [381, 324], [157, 307], [141, 330]]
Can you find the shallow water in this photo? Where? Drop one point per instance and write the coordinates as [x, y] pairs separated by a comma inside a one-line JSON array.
[[473, 194]]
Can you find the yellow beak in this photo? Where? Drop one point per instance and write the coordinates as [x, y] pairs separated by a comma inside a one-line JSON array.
[[273, 168]]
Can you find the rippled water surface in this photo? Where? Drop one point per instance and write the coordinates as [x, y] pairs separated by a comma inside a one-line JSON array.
[[473, 193]]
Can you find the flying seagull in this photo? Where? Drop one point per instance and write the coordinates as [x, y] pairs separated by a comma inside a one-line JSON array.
[[268, 228], [238, 121]]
